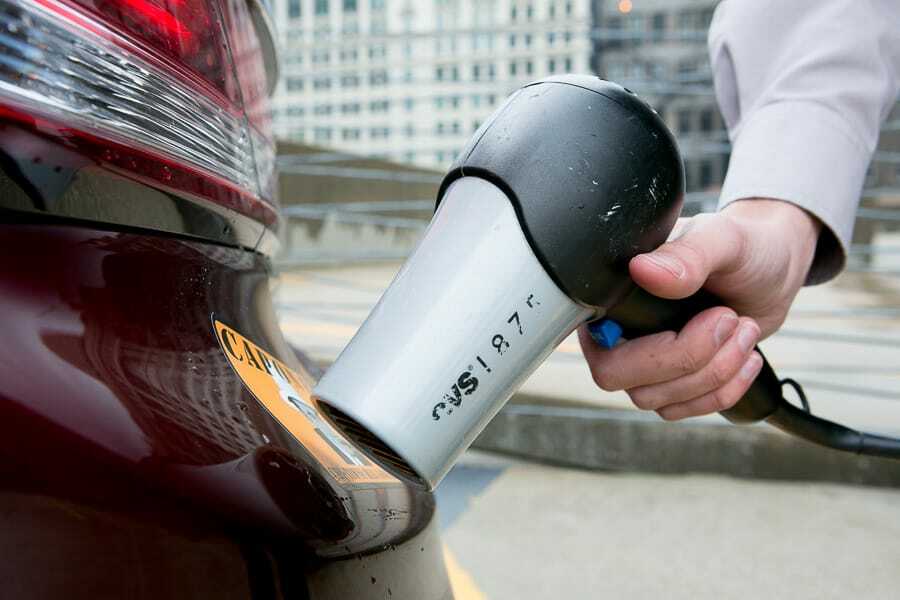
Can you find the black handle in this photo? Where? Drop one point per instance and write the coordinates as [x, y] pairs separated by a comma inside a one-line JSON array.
[[642, 313]]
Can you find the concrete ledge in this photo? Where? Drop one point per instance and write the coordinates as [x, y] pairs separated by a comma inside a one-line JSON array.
[[627, 440]]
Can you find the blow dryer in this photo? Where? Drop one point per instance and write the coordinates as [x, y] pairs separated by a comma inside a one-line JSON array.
[[532, 234]]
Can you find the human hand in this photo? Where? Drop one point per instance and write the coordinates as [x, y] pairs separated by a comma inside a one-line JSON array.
[[754, 256]]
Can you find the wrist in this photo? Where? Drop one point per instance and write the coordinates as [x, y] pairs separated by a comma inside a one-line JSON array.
[[796, 227], [799, 220]]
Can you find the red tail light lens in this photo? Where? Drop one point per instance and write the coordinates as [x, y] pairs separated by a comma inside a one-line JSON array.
[[172, 91]]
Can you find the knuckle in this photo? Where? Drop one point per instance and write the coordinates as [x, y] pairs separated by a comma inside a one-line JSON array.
[[733, 231], [667, 415], [688, 362], [642, 400], [689, 249], [667, 338], [604, 380], [723, 401], [720, 372]]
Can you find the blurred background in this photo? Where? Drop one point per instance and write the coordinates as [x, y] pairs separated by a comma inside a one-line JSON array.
[[375, 100]]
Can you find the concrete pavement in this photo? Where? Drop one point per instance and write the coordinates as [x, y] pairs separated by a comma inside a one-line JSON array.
[[527, 531]]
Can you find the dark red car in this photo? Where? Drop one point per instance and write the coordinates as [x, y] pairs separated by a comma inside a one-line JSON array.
[[159, 437]]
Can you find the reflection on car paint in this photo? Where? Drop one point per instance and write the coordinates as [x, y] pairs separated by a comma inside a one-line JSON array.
[[114, 351]]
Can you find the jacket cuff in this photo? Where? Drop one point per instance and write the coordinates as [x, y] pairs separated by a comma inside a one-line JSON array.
[[803, 153]]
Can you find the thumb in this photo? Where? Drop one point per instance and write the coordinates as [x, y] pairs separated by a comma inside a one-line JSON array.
[[677, 269]]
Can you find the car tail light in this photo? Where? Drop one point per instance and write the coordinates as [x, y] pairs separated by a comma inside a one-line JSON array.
[[170, 91]]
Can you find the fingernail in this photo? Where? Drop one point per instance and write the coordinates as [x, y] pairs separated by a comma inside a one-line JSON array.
[[752, 366], [747, 336], [725, 327], [668, 263]]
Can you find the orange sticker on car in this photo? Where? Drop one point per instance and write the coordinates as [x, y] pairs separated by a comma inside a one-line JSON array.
[[288, 398]]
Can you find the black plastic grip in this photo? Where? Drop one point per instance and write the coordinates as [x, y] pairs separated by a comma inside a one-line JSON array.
[[642, 313]]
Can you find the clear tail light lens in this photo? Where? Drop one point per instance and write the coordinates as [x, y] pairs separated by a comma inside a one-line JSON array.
[[171, 91]]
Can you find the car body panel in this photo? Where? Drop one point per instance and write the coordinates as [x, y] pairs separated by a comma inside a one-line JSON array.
[[136, 462]]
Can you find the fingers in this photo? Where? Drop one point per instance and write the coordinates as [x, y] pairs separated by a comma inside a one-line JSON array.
[[721, 399], [661, 357], [706, 244], [705, 368], [714, 375]]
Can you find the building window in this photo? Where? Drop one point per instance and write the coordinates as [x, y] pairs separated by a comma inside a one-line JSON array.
[[349, 5], [614, 24], [349, 81], [551, 37], [409, 103], [377, 5], [409, 130], [684, 121], [322, 109], [439, 73], [705, 174], [567, 64], [378, 77], [293, 9], [659, 26], [322, 9], [295, 111], [379, 105], [528, 40], [706, 121], [379, 132], [322, 134], [512, 40], [439, 129], [551, 66], [294, 84], [350, 134], [322, 83], [512, 68], [476, 72], [529, 67], [456, 127], [350, 108]]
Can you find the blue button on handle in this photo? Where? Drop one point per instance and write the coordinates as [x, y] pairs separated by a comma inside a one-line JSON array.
[[605, 332]]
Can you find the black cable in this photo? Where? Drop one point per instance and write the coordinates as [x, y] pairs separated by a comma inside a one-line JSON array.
[[800, 423], [797, 388]]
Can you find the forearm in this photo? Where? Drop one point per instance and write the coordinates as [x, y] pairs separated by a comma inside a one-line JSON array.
[[803, 102]]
